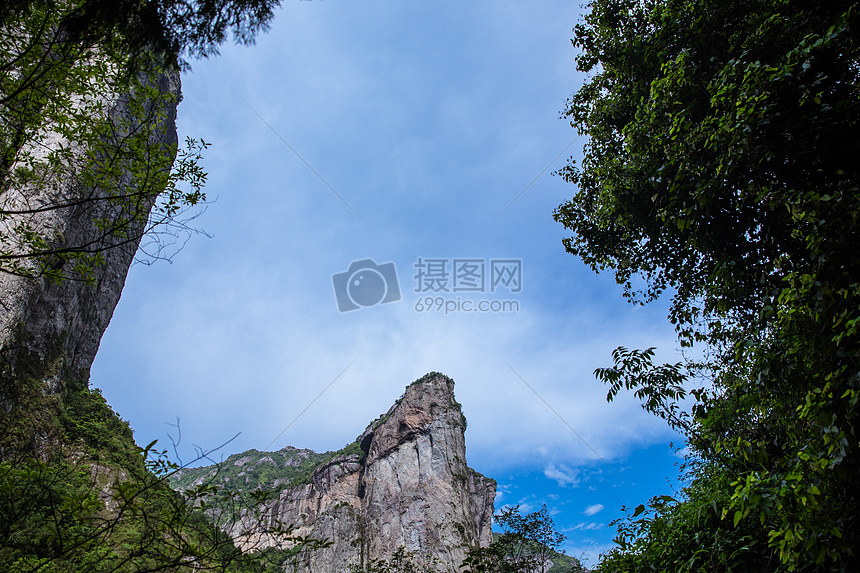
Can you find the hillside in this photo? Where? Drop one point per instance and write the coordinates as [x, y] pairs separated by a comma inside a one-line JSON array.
[[246, 471]]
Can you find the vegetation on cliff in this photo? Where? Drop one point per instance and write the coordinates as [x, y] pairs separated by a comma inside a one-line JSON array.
[[251, 470], [77, 494], [89, 165]]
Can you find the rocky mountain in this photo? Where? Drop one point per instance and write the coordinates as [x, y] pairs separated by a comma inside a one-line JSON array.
[[404, 483], [76, 493]]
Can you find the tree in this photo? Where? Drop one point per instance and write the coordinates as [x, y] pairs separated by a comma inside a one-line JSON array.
[[172, 28], [528, 544], [721, 168], [94, 502]]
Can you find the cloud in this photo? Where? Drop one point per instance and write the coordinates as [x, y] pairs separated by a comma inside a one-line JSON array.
[[591, 526], [588, 552], [592, 509], [564, 475], [501, 491], [683, 453]]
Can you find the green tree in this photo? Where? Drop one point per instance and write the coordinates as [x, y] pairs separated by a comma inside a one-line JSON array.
[[721, 168], [95, 502], [526, 544], [86, 149]]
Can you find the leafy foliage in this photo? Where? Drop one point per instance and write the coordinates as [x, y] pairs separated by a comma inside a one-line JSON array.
[[88, 167], [527, 543], [721, 167], [85, 122], [76, 494], [169, 27], [81, 139], [92, 501]]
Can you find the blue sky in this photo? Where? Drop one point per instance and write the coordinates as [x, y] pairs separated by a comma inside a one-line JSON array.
[[428, 119]]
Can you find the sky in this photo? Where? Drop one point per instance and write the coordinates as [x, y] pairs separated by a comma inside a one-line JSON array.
[[377, 171]]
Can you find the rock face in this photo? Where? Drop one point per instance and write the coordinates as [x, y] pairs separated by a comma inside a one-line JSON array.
[[410, 487], [61, 324]]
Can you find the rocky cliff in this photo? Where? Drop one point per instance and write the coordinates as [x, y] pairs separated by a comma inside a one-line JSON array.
[[57, 325], [403, 484]]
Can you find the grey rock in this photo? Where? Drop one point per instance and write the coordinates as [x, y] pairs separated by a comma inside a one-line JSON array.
[[411, 489]]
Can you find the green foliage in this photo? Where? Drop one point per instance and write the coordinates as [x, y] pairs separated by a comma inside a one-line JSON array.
[[86, 122], [253, 470], [77, 494], [722, 168], [427, 377], [525, 545], [67, 511], [171, 27], [95, 502], [82, 139], [401, 561], [89, 421], [691, 534]]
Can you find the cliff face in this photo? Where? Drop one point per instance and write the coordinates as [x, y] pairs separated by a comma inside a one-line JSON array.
[[408, 487], [419, 492], [60, 324]]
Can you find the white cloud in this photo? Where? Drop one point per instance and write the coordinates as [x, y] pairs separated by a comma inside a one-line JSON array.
[[562, 474], [591, 526], [502, 490], [592, 509], [588, 553]]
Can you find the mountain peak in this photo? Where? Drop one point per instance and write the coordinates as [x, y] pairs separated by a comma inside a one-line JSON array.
[[403, 484], [427, 404]]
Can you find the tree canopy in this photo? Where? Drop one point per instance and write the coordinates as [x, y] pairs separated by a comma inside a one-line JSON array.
[[526, 543], [172, 27], [722, 170]]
